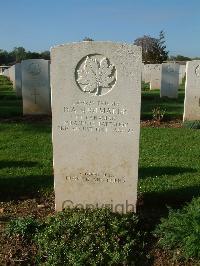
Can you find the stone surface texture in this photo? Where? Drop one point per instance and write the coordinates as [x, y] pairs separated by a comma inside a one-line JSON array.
[[155, 76], [192, 91], [170, 80], [96, 94], [182, 69], [18, 80], [36, 87]]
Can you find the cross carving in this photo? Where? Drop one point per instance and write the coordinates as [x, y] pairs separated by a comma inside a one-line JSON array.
[[35, 94]]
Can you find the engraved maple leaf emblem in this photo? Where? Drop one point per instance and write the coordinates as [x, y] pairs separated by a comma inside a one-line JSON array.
[[96, 75]]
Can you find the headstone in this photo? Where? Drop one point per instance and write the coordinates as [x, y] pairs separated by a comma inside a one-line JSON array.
[[96, 91], [12, 75], [192, 91], [6, 72], [147, 72], [155, 76], [36, 87], [143, 74], [18, 80], [181, 73], [170, 80]]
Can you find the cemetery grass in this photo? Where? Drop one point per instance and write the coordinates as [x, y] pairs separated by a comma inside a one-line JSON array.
[[10, 105], [169, 173]]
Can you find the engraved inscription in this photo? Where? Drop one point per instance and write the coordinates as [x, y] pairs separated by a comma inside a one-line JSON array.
[[96, 116], [170, 69], [197, 71], [95, 75], [91, 177], [34, 69]]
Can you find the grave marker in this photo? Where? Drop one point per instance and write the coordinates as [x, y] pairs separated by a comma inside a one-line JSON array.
[[36, 87], [170, 80], [192, 91], [96, 91]]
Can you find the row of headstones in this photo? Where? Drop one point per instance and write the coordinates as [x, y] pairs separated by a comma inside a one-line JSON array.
[[166, 77], [96, 98], [31, 81]]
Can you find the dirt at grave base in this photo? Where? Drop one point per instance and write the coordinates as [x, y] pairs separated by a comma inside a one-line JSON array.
[[162, 124], [17, 251]]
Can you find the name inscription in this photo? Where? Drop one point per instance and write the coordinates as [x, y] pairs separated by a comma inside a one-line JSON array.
[[96, 116]]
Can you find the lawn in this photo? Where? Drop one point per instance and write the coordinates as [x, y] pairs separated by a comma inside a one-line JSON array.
[[168, 169], [10, 105]]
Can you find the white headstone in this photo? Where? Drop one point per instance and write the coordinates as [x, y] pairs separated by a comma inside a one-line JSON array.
[[181, 73], [36, 87], [18, 80], [6, 72], [96, 91], [147, 72], [192, 91], [143, 73], [12, 75], [155, 76], [170, 80]]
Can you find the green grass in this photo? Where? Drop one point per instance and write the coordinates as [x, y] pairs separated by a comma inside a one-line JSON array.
[[25, 159], [173, 107], [169, 168], [10, 105]]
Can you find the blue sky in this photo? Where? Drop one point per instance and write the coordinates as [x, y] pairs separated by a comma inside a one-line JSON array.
[[39, 24]]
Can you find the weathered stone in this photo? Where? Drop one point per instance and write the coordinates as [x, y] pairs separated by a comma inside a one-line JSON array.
[[192, 91], [96, 91], [181, 73], [147, 72], [170, 80], [36, 87], [12, 75], [18, 80], [155, 76]]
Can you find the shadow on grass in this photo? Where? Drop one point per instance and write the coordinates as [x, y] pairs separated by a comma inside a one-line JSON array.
[[145, 172], [153, 206], [173, 197], [15, 164], [20, 187]]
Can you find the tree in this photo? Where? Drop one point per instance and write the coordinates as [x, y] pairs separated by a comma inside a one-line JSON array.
[[88, 39], [45, 55], [180, 58], [153, 49], [19, 53]]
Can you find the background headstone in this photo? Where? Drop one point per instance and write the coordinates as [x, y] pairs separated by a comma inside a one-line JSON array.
[[18, 80], [36, 86], [181, 73], [12, 75], [96, 91], [192, 91], [6, 73], [170, 80], [155, 76], [147, 72]]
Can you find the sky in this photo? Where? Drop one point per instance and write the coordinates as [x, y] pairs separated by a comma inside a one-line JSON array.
[[38, 25]]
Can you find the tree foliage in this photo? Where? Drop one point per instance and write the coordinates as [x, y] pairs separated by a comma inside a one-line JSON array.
[[180, 58], [88, 39], [18, 54], [153, 49]]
